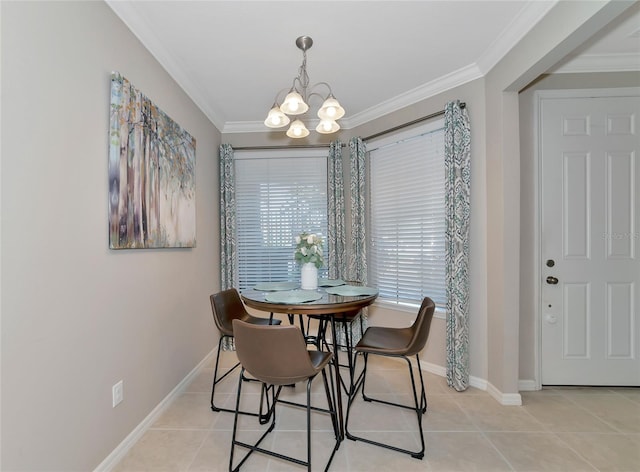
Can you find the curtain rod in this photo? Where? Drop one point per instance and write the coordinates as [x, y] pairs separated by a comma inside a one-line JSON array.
[[376, 135], [410, 123], [281, 146]]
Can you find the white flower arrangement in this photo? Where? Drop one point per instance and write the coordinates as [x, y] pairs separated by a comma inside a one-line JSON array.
[[309, 249]]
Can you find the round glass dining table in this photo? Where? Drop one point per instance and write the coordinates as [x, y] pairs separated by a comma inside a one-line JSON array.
[[328, 307]]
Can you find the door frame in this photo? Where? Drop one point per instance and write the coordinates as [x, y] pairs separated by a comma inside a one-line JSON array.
[[540, 96]]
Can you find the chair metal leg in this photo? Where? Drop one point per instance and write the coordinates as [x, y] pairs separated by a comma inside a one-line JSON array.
[[348, 336], [275, 399], [264, 417], [234, 442], [331, 401], [306, 332], [420, 407], [216, 380], [309, 425]]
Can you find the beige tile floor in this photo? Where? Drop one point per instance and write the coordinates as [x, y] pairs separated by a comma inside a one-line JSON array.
[[556, 429]]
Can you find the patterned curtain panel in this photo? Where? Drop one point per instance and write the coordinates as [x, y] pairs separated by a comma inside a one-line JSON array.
[[337, 263], [228, 255], [357, 268], [457, 202]]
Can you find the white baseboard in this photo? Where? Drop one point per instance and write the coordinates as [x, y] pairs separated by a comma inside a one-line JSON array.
[[433, 368], [528, 385], [121, 450], [477, 382], [507, 399]]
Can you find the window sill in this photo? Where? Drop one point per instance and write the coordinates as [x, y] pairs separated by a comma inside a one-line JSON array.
[[408, 308]]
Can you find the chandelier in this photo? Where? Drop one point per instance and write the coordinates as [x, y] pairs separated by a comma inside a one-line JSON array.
[[296, 102]]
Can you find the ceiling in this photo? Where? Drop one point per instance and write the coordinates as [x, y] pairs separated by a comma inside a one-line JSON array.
[[233, 57]]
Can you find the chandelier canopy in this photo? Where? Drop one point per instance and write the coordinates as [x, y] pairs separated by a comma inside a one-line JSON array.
[[296, 102]]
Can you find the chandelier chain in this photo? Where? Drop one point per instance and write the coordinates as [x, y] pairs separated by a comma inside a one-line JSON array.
[[303, 77]]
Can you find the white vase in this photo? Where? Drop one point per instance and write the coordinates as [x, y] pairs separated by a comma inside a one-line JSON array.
[[308, 276]]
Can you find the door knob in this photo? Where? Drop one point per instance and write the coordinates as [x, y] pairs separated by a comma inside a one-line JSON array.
[[552, 280]]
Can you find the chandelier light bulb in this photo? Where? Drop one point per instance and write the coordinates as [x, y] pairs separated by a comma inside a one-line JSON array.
[[327, 127], [297, 130], [276, 119], [294, 104], [331, 109]]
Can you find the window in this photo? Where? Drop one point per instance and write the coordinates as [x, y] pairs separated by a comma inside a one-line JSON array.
[[407, 216], [278, 195]]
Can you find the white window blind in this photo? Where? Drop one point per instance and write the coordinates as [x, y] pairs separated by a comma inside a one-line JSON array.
[[277, 198], [407, 217]]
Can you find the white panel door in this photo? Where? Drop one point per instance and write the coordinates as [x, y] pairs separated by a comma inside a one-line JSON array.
[[589, 241]]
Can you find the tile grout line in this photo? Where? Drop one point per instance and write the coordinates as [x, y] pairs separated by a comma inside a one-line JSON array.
[[484, 435], [587, 411]]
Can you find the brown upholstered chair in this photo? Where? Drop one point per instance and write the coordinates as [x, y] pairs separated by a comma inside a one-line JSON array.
[[227, 306], [278, 356], [396, 342]]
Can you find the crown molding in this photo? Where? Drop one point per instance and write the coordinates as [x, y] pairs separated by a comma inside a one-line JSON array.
[[245, 127], [519, 27], [428, 90], [259, 126], [134, 20], [600, 63]]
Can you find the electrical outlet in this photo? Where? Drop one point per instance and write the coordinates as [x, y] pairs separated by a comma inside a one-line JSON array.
[[117, 392]]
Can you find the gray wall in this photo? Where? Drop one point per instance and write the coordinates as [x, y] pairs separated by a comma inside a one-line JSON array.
[[76, 316]]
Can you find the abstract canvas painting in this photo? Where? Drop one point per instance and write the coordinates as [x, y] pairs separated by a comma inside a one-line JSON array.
[[151, 174]]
